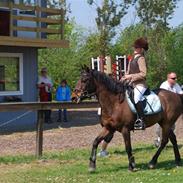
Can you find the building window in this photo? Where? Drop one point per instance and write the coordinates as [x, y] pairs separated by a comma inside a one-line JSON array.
[[11, 74], [28, 2]]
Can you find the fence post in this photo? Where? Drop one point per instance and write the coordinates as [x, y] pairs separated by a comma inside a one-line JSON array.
[[39, 134], [62, 23]]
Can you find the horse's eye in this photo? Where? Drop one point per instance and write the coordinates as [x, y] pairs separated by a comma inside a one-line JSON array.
[[84, 80]]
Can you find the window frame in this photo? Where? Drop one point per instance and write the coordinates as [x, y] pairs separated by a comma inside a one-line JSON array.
[[20, 91]]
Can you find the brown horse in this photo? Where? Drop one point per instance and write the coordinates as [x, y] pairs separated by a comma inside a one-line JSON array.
[[117, 116]]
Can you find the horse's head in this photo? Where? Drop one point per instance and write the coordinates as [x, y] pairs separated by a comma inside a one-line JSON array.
[[85, 87]]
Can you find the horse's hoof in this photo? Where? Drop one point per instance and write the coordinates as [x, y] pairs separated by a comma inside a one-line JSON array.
[[133, 169], [178, 165], [151, 166], [91, 169]]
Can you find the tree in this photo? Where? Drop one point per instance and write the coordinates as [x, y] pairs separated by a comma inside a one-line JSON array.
[[174, 47], [61, 4], [109, 15], [88, 50], [155, 13]]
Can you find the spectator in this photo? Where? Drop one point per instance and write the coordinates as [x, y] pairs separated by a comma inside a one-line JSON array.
[[45, 88], [63, 93], [171, 85]]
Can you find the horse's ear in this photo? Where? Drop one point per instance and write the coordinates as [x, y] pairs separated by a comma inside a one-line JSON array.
[[83, 67], [86, 68]]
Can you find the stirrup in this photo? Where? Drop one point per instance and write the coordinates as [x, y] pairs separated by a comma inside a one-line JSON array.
[[139, 124]]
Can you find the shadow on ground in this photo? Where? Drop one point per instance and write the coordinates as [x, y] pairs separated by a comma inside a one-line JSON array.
[[75, 119], [145, 148]]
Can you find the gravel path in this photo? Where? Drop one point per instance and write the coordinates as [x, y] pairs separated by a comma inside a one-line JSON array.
[[79, 132]]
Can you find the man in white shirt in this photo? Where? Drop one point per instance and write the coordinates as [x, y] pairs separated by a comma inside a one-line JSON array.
[[170, 85]]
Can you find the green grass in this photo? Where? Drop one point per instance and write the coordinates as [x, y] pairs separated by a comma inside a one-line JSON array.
[[72, 166]]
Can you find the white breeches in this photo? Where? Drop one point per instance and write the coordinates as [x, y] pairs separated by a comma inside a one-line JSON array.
[[138, 93]]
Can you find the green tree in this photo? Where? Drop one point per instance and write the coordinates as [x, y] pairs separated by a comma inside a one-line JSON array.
[[88, 50], [109, 15], [174, 47], [155, 13], [126, 39]]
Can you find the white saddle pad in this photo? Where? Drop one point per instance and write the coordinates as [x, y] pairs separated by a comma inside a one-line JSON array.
[[152, 101]]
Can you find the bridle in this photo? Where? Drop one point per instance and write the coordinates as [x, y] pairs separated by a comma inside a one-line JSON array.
[[85, 94]]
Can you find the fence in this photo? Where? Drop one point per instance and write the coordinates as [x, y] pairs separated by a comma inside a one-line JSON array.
[[40, 107], [38, 19]]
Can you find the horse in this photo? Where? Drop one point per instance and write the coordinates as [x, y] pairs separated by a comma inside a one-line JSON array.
[[117, 116]]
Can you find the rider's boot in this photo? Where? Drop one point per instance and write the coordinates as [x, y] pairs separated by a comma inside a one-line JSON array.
[[139, 123]]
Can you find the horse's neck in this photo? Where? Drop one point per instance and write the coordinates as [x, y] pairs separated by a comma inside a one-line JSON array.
[[105, 97]]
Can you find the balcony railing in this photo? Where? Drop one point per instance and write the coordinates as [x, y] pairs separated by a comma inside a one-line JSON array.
[[46, 21]]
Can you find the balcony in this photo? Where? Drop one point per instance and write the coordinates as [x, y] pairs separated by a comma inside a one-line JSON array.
[[32, 26]]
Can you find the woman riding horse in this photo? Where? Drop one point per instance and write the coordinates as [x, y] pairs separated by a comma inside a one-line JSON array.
[[116, 114], [136, 76]]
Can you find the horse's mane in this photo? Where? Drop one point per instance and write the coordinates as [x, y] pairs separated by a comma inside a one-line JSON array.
[[110, 84]]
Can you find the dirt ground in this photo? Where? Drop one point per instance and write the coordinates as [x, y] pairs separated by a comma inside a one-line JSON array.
[[80, 130]]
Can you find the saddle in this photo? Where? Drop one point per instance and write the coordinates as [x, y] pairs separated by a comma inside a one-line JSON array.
[[151, 103]]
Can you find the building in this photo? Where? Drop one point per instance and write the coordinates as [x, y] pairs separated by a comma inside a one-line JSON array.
[[24, 28]]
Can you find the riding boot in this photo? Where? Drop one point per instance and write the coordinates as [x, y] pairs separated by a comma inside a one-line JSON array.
[[139, 123]]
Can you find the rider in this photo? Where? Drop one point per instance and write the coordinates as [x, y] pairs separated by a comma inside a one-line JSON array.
[[136, 75]]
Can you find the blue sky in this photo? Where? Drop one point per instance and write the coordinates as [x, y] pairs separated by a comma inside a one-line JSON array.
[[84, 14]]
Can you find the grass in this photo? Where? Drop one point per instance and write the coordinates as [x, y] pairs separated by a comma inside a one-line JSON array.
[[72, 166]]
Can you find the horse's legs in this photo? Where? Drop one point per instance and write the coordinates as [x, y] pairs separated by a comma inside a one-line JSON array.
[[105, 134], [173, 140], [164, 141], [127, 140]]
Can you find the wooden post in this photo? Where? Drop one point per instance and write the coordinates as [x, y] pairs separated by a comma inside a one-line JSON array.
[[11, 20], [62, 23], [38, 24], [39, 134]]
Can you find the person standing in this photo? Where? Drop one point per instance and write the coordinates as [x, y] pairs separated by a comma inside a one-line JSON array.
[[45, 91], [171, 85], [63, 94]]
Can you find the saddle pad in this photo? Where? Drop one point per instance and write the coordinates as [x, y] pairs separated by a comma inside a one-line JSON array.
[[153, 104]]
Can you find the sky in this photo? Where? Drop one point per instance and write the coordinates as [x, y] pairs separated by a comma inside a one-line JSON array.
[[85, 14]]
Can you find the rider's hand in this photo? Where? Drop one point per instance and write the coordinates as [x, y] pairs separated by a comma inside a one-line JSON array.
[[128, 77], [122, 79]]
